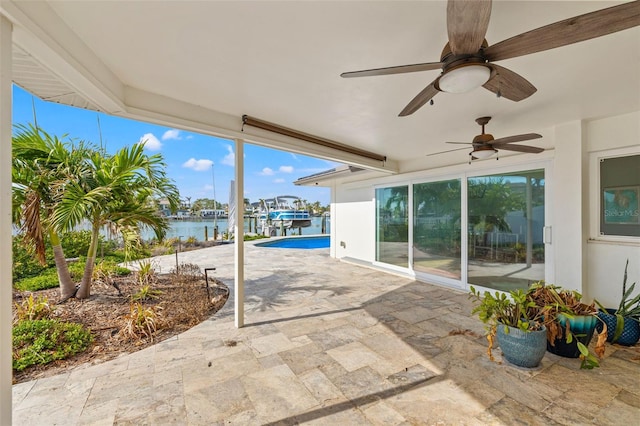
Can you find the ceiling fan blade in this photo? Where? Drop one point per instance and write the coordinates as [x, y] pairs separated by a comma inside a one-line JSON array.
[[515, 138], [467, 23], [400, 69], [568, 31], [444, 152], [522, 148], [421, 98], [461, 143], [508, 84]]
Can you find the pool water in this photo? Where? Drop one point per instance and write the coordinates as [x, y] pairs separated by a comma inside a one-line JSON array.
[[299, 243]]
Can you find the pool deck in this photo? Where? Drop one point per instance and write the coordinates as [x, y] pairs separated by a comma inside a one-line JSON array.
[[328, 342]]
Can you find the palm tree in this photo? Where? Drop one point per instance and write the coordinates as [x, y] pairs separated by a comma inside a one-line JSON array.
[[42, 165], [118, 192]]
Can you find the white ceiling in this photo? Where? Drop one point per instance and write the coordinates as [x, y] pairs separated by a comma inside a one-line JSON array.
[[281, 61]]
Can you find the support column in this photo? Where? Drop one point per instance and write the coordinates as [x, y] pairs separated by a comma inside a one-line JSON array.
[[239, 235], [5, 221]]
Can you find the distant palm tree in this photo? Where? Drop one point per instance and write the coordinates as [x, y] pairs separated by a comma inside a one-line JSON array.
[[117, 191], [42, 166]]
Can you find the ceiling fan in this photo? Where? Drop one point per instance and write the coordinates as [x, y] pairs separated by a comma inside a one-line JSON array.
[[467, 60], [485, 146]]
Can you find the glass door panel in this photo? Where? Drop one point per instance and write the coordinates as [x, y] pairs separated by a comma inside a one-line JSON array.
[[436, 228], [392, 225], [506, 221]]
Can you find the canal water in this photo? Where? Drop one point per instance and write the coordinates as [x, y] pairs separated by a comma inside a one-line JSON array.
[[196, 228]]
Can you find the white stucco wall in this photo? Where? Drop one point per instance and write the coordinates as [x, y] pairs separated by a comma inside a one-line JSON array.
[[568, 226], [354, 222], [575, 260], [606, 257]]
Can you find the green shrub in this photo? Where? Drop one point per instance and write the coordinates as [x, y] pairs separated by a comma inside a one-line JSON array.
[[146, 293], [48, 279], [25, 264], [142, 322], [33, 309], [76, 243], [121, 271], [43, 341]]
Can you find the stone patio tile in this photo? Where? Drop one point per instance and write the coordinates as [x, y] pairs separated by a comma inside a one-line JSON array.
[[436, 401], [299, 327], [629, 398], [399, 327], [322, 389], [383, 415], [581, 388], [218, 401], [387, 346], [99, 414], [277, 392], [617, 413], [362, 319], [198, 375], [415, 314], [271, 344], [167, 375], [511, 411], [20, 391], [568, 412], [270, 361], [119, 385], [305, 357], [88, 371], [341, 413], [353, 356], [54, 413], [363, 386], [535, 395]]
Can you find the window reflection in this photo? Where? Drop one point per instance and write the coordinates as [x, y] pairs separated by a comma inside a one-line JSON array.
[[506, 221], [392, 218], [436, 228]]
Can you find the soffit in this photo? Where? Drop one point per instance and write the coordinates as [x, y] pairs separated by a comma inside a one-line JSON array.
[[280, 62]]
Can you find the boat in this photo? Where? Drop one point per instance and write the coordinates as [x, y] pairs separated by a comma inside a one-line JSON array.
[[283, 211]]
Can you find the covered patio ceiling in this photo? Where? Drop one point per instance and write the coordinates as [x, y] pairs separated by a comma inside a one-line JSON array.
[[202, 65]]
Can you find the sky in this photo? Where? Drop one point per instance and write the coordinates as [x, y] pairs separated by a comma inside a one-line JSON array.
[[194, 161]]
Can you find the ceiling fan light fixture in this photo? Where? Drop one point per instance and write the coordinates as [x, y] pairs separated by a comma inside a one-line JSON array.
[[464, 79], [484, 152]]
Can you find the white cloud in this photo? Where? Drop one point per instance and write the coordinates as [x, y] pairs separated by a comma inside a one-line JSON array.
[[171, 134], [151, 142], [267, 172], [279, 180], [295, 157], [198, 165], [230, 158], [286, 169]]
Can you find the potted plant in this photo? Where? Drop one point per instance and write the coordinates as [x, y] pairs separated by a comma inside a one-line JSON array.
[[516, 323], [570, 323], [623, 324]]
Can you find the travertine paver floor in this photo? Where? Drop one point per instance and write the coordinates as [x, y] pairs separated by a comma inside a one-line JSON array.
[[327, 342]]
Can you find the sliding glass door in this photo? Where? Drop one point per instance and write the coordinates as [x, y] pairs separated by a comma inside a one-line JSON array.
[[436, 228], [505, 229], [392, 225]]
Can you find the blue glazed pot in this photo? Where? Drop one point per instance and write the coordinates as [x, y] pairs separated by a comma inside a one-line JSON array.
[[520, 348], [630, 332], [582, 328]]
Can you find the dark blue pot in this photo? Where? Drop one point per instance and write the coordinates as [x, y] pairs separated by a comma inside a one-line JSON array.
[[520, 348], [582, 328], [630, 332]]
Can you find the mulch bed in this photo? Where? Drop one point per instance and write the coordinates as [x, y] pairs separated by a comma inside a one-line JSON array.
[[183, 304]]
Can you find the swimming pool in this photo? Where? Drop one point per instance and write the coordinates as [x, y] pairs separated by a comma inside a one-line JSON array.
[[299, 243]]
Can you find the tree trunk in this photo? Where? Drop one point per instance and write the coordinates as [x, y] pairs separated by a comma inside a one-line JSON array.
[[67, 286], [85, 286]]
